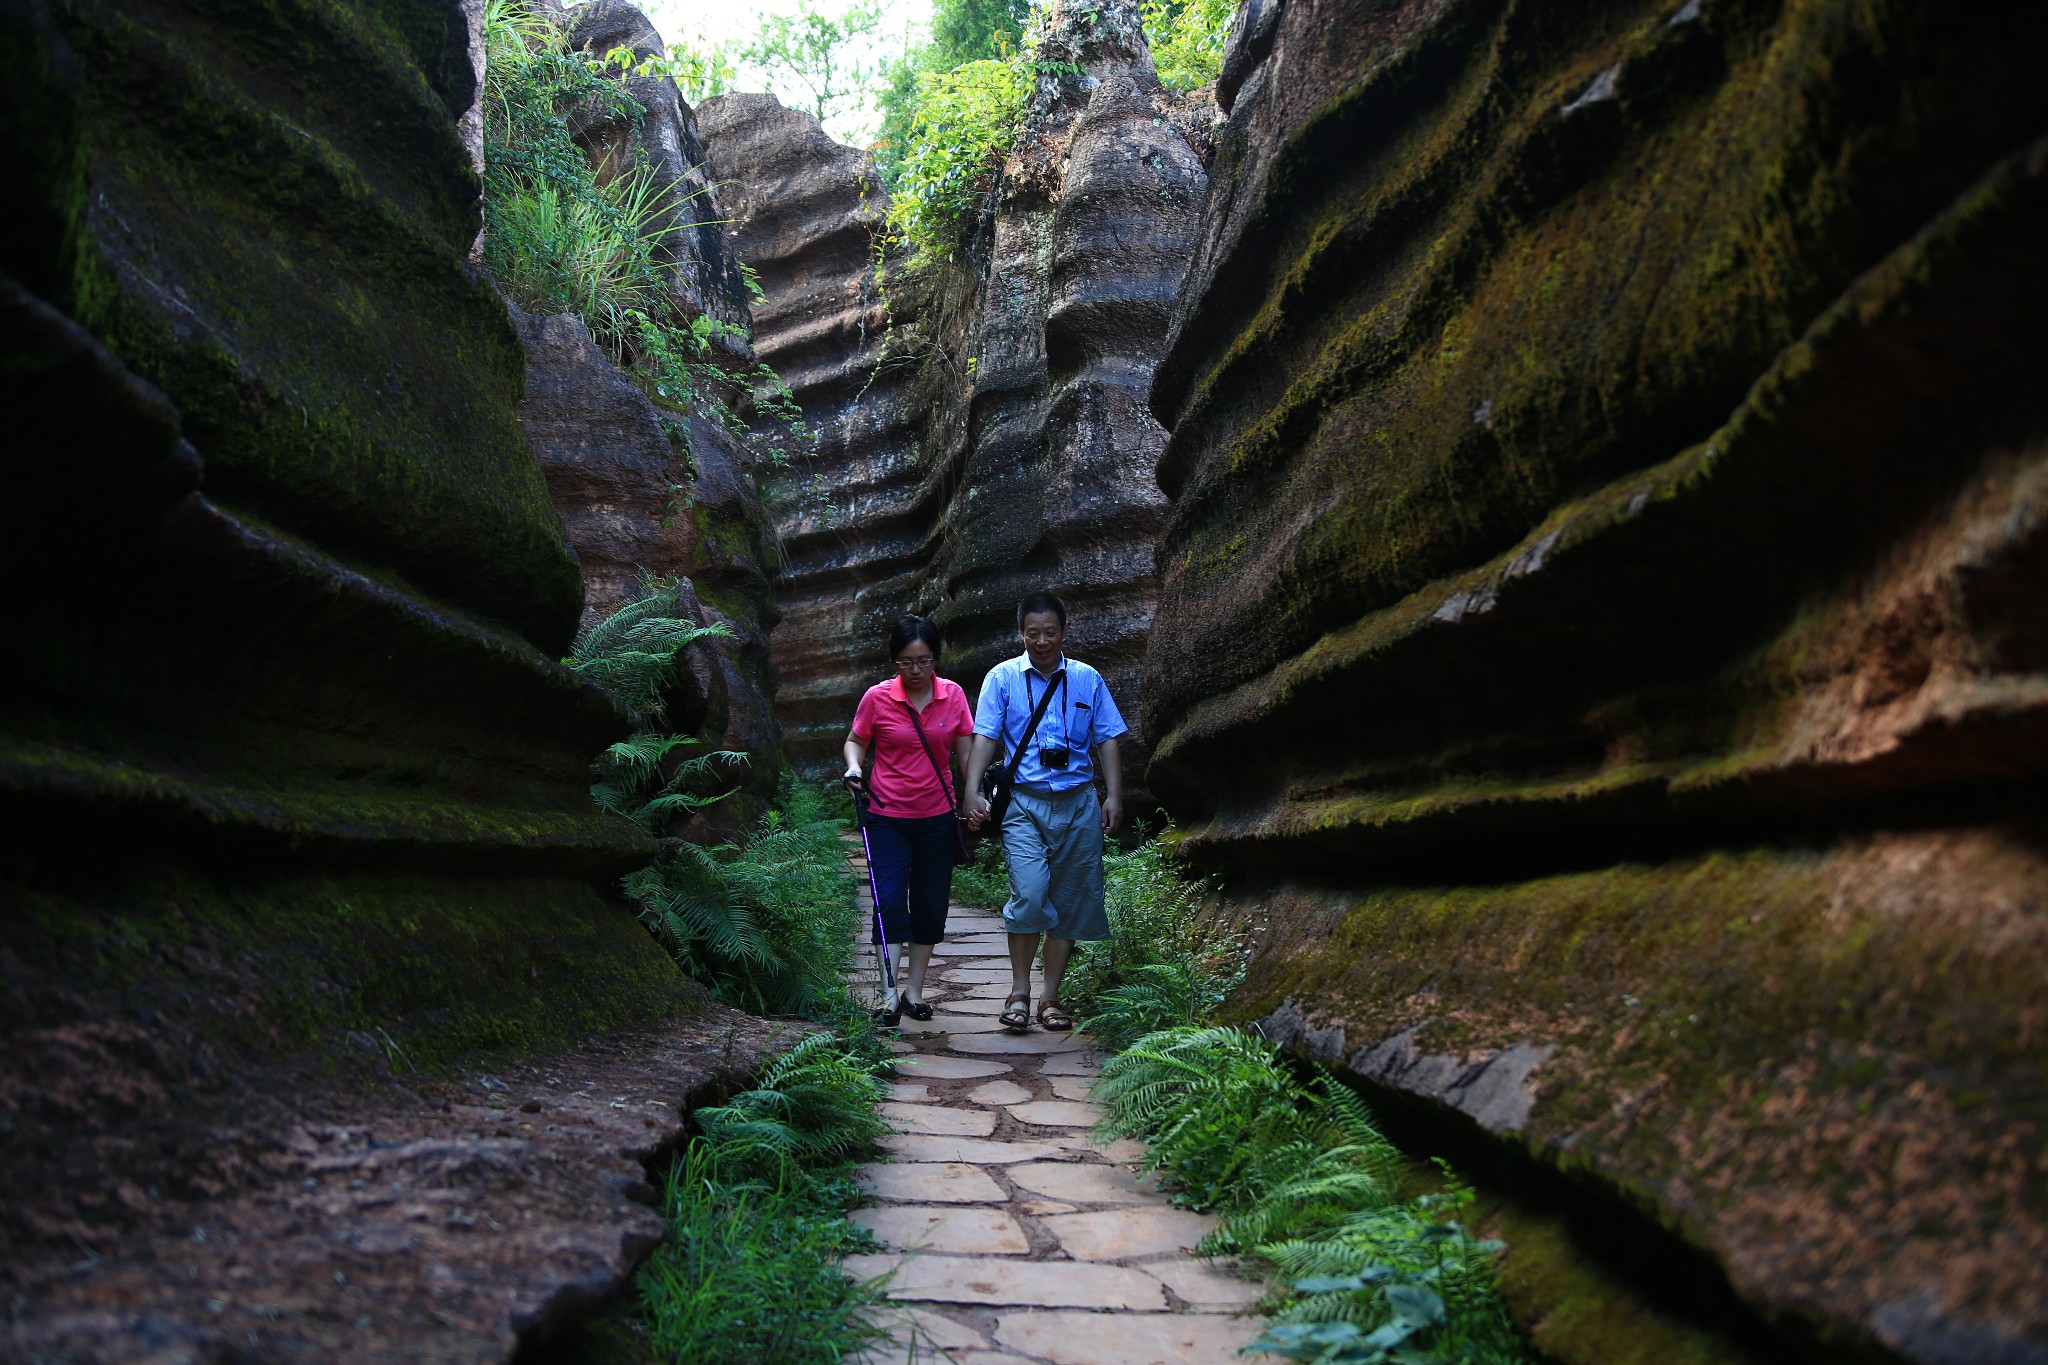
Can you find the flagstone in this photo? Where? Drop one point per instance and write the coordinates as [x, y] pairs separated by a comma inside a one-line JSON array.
[[1124, 1151], [1057, 1114], [915, 1333], [1072, 1064], [905, 1092], [1037, 1284], [1083, 1184], [1205, 1283], [972, 945], [942, 1024], [961, 1231], [931, 1182], [1120, 1234], [1038, 1208], [1017, 1044], [1071, 1087], [936, 1068], [976, 1151], [1125, 1338], [938, 1120], [999, 1092]]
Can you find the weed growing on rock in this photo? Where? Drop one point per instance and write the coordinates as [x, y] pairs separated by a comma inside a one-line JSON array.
[[1371, 1269], [632, 654], [765, 924], [756, 1210], [562, 235], [1309, 1188]]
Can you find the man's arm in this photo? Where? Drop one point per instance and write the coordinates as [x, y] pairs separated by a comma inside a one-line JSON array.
[[1111, 762], [983, 754]]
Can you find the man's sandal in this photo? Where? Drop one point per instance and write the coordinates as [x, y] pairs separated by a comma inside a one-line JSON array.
[[1016, 1015], [1053, 1015]]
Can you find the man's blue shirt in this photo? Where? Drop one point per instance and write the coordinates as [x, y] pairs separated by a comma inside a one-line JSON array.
[[1081, 716]]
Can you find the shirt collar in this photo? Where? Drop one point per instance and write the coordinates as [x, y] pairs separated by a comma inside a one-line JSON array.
[[1025, 659]]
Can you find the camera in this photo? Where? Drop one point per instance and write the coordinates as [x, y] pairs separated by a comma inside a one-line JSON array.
[[1053, 756]]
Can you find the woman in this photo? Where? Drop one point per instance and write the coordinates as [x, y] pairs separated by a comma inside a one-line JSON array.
[[911, 800]]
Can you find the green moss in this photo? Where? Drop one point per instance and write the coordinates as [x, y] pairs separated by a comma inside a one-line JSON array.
[[1725, 1024], [306, 304], [280, 967], [1578, 1312], [1434, 341]]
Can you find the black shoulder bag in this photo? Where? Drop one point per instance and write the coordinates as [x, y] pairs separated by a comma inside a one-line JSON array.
[[963, 851], [997, 782]]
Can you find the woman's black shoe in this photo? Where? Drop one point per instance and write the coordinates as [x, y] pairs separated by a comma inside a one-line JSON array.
[[889, 1018], [919, 1010]]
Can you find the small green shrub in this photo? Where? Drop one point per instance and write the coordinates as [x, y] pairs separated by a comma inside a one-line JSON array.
[[765, 924], [756, 1211], [1308, 1187], [964, 123], [986, 881], [1152, 908], [632, 654]]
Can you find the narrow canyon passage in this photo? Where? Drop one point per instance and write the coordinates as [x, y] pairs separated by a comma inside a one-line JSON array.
[[1013, 1235]]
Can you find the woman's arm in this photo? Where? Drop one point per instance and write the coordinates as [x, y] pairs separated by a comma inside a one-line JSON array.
[[963, 750], [978, 759], [856, 755]]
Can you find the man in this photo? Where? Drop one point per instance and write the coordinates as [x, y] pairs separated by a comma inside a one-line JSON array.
[[1053, 830]]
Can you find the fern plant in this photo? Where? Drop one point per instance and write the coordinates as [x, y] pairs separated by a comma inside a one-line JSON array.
[[816, 1102], [632, 654], [765, 925]]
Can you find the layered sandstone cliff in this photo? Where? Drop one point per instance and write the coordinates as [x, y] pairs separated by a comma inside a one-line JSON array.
[[1600, 624], [982, 422], [294, 810]]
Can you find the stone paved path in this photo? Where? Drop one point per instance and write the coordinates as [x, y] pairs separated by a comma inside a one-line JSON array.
[[1014, 1236]]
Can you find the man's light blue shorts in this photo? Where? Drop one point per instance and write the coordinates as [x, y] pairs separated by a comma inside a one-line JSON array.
[[1053, 843]]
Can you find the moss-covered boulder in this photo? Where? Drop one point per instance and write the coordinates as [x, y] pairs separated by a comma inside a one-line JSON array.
[[1600, 618]]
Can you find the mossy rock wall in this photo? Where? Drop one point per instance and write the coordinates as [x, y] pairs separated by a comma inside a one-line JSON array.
[[290, 782], [1600, 619]]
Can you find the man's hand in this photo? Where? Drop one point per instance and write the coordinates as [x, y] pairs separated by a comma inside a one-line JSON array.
[[977, 811], [1112, 815]]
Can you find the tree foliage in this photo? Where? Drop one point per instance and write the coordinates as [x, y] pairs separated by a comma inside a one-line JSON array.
[[1186, 38], [966, 121], [816, 48]]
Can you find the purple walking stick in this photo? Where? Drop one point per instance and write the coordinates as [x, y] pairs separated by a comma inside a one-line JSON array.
[[888, 961]]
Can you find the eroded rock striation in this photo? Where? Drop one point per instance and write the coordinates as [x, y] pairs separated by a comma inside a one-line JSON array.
[[983, 425], [667, 490], [1599, 619], [293, 791]]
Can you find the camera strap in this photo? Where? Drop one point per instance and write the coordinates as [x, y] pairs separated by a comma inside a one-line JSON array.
[[1057, 681]]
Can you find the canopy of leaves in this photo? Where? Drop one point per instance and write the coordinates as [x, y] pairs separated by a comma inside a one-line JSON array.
[[816, 49], [966, 121], [1186, 38]]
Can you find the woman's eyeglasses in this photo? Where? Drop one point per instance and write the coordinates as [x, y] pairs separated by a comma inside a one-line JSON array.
[[915, 665]]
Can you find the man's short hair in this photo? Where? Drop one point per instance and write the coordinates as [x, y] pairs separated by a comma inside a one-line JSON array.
[[1037, 604]]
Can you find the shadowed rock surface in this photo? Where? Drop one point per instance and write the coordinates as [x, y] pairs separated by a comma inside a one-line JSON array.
[[983, 425], [293, 794], [453, 1218], [1600, 626], [633, 508]]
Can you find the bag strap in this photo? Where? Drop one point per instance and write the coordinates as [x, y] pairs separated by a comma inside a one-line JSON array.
[[945, 783], [1057, 682]]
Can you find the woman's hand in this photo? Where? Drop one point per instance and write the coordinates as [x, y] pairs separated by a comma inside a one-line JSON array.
[[977, 811]]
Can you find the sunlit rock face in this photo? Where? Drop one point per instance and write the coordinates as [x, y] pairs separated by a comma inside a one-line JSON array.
[[1600, 615], [983, 425]]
